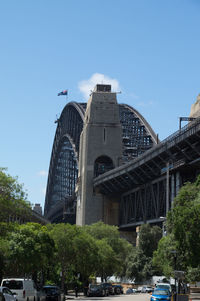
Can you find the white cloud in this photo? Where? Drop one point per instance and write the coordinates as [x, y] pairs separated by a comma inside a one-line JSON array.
[[145, 104], [86, 86], [133, 96], [43, 173]]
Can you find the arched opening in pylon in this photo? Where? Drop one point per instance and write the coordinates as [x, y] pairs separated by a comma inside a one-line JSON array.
[[102, 164]]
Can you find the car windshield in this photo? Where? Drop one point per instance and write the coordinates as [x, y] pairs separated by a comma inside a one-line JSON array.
[[13, 284], [51, 290], [161, 292], [94, 286]]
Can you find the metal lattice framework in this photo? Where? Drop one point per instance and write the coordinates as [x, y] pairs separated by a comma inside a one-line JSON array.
[[137, 137], [147, 186], [63, 168]]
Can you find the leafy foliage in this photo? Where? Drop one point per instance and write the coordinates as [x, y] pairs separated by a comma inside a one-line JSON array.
[[184, 223], [183, 226], [85, 253], [140, 259], [63, 236], [13, 200], [30, 249], [163, 257], [112, 249], [149, 238]]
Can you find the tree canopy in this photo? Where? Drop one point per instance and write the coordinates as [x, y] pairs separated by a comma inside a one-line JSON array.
[[13, 199], [183, 228], [30, 249], [139, 265]]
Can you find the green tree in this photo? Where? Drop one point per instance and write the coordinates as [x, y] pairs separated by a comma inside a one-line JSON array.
[[139, 261], [63, 235], [30, 250], [164, 257], [107, 261], [110, 236], [13, 199], [183, 228], [184, 223], [4, 246], [149, 238], [85, 254]]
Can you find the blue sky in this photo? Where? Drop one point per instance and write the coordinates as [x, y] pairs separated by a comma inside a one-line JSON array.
[[150, 49]]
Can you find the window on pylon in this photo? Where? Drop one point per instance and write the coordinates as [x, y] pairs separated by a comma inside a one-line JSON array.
[[102, 164]]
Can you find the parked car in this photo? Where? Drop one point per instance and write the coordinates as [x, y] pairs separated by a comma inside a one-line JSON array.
[[147, 289], [109, 287], [51, 293], [139, 289], [160, 294], [6, 294], [118, 289], [97, 290], [130, 291], [24, 289]]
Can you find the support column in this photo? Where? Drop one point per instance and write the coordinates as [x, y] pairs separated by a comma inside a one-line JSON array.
[[167, 188], [178, 182], [172, 190]]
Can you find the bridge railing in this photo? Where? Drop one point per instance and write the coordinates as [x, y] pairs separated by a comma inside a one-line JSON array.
[[182, 130]]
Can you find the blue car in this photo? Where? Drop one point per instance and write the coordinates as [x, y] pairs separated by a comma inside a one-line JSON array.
[[160, 294]]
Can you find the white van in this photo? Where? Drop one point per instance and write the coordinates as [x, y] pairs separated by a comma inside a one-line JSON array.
[[24, 288]]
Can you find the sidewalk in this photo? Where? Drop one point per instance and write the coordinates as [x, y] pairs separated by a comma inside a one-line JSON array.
[[195, 296], [72, 296]]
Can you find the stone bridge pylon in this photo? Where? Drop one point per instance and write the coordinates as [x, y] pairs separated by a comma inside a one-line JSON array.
[[100, 151], [90, 140]]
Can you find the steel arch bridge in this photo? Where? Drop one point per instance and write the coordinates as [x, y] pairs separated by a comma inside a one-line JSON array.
[[137, 137]]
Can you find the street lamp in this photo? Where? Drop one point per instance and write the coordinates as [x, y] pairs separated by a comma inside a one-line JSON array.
[[163, 220]]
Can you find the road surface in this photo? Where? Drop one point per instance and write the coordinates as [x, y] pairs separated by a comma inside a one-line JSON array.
[[124, 297]]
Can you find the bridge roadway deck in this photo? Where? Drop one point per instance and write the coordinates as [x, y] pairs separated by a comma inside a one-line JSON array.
[[181, 149]]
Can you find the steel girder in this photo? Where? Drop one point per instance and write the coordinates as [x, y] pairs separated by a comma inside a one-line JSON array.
[[147, 202], [138, 135], [63, 170]]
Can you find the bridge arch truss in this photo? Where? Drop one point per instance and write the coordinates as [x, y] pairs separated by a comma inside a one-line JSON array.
[[137, 137]]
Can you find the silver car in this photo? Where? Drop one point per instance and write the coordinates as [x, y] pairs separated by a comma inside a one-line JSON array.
[[6, 294]]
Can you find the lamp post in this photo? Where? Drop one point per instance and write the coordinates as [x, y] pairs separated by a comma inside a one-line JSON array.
[[163, 220]]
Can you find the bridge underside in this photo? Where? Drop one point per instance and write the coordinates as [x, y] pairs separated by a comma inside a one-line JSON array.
[[149, 203], [147, 186]]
